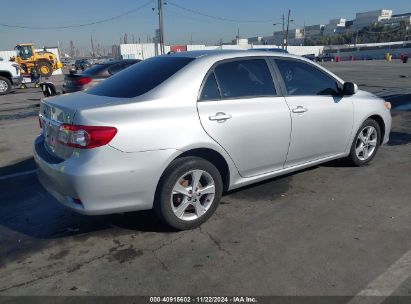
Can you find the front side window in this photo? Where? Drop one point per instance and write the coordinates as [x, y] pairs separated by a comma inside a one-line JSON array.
[[244, 78], [303, 79], [140, 78], [210, 89]]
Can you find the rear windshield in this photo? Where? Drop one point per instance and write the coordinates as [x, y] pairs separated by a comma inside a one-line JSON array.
[[95, 69], [140, 78]]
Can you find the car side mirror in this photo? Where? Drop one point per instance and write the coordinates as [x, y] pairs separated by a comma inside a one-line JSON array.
[[349, 88]]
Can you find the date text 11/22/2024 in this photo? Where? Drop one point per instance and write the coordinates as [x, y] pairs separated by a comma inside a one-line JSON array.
[[203, 299]]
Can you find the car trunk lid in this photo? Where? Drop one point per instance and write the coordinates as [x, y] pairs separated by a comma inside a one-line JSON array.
[[76, 80], [61, 110]]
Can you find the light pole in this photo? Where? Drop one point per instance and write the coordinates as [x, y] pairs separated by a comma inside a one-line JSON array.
[[160, 25], [160, 21], [288, 27], [275, 24]]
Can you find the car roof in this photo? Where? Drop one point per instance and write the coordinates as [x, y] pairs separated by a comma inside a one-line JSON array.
[[209, 57], [226, 54], [280, 50], [112, 62]]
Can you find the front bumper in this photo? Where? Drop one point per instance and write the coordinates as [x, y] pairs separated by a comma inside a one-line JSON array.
[[102, 180], [388, 124], [17, 80]]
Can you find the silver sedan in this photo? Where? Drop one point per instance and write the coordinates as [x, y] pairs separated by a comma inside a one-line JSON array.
[[174, 132]]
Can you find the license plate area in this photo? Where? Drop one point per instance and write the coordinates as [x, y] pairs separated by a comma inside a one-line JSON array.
[[50, 132]]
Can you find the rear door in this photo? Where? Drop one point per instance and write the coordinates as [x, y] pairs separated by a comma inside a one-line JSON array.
[[322, 118], [241, 109]]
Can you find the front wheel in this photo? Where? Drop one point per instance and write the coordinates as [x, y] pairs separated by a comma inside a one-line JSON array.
[[188, 193], [45, 68], [5, 85], [365, 144]]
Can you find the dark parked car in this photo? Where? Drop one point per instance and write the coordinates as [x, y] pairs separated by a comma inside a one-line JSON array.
[[325, 57], [74, 82], [82, 64], [310, 56]]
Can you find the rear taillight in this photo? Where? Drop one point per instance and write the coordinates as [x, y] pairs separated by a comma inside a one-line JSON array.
[[82, 81], [85, 137], [40, 125]]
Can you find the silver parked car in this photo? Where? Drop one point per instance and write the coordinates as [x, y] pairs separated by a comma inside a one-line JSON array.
[[173, 132]]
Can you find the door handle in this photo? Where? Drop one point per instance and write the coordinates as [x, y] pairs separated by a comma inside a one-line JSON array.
[[299, 109], [220, 117]]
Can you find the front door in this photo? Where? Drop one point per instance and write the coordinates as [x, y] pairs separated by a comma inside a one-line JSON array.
[[322, 118]]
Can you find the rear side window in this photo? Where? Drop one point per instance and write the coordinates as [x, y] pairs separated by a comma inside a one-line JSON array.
[[115, 68], [303, 79], [210, 89], [140, 78], [96, 70], [245, 78]]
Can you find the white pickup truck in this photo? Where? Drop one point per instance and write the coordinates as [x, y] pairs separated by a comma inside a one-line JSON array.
[[9, 76]]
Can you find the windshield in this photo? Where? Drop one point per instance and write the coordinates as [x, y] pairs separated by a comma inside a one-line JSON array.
[[24, 51], [140, 78]]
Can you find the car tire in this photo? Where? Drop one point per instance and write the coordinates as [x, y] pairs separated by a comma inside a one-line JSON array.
[[365, 144], [5, 85], [189, 210]]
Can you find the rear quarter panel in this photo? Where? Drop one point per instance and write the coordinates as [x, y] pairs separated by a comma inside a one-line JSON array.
[[165, 118]]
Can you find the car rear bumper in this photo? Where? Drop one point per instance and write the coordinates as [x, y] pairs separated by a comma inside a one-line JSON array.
[[71, 89], [102, 180]]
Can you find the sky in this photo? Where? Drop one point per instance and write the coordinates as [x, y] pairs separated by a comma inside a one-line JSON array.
[[181, 26]]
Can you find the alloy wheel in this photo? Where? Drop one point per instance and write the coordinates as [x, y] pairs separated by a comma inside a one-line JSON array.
[[3, 86], [192, 195], [366, 143]]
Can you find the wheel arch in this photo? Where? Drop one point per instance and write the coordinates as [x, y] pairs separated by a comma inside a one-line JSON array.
[[43, 60], [381, 124], [213, 157], [208, 154], [6, 74]]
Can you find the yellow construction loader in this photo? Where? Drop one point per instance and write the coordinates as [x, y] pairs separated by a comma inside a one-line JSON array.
[[29, 60]]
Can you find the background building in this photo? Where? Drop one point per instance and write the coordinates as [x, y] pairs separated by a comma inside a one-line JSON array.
[[372, 17], [256, 40], [335, 26], [314, 31], [396, 20]]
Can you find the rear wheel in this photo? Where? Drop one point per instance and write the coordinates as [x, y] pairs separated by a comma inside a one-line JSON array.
[[188, 193], [5, 85], [365, 144], [44, 68]]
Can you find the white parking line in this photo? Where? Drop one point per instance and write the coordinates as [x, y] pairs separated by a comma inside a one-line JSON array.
[[385, 284], [17, 174]]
